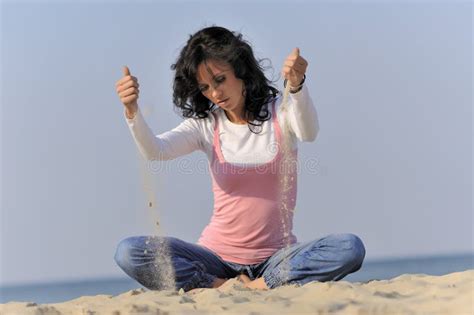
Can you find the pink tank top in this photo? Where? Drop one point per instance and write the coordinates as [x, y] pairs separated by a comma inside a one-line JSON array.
[[249, 222]]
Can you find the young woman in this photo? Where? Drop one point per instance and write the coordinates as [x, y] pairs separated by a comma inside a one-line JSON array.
[[234, 115]]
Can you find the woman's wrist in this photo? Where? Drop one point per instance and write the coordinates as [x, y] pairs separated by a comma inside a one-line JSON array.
[[295, 89], [130, 114]]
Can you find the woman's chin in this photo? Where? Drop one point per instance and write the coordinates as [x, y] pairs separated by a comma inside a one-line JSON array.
[[225, 106]]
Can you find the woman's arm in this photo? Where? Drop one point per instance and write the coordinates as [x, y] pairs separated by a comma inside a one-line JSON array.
[[302, 116], [182, 140]]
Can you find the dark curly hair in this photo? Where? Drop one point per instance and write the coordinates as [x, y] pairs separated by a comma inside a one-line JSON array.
[[220, 44]]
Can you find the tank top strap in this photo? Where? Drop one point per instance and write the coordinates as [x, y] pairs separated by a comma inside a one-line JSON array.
[[216, 144]]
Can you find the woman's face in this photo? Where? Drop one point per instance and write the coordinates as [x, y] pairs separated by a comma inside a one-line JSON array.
[[217, 82]]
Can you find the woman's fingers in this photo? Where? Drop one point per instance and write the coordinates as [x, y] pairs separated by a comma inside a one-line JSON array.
[[127, 77], [127, 85], [130, 99], [299, 64], [292, 75], [129, 91], [289, 70], [295, 52], [125, 71], [294, 67], [125, 80]]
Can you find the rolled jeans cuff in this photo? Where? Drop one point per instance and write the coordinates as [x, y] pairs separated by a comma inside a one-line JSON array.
[[272, 280]]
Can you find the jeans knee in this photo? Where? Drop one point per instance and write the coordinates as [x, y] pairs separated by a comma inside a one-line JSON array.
[[137, 250], [356, 250], [123, 252]]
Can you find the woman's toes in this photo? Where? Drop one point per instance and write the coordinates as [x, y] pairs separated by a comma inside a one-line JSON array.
[[244, 278]]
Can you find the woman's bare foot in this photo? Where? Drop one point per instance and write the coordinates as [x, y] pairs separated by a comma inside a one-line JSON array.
[[243, 278], [258, 283]]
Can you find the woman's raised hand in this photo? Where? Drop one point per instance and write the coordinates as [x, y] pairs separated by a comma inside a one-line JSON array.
[[294, 68], [127, 90]]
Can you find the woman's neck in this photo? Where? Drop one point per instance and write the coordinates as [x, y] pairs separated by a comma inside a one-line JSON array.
[[235, 118]]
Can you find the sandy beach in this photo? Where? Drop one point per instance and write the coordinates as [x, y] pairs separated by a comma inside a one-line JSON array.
[[406, 294]]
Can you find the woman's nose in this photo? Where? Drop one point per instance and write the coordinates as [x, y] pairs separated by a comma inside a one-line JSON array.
[[216, 93]]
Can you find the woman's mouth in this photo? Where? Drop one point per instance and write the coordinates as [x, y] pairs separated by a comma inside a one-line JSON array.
[[222, 102]]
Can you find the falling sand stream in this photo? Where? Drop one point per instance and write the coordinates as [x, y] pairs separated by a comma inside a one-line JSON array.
[[286, 178], [162, 271]]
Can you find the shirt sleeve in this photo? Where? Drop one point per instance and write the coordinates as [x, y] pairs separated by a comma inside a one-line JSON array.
[[182, 140], [302, 116]]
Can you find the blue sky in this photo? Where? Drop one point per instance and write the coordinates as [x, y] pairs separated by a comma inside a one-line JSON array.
[[391, 81]]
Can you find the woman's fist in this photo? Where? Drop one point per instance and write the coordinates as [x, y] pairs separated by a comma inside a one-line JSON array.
[[127, 90], [294, 68]]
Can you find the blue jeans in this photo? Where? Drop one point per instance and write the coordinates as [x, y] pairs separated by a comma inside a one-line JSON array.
[[329, 258]]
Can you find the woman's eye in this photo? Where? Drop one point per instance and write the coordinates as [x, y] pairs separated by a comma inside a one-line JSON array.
[[203, 89]]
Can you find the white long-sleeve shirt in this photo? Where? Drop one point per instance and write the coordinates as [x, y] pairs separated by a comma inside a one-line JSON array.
[[239, 145]]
